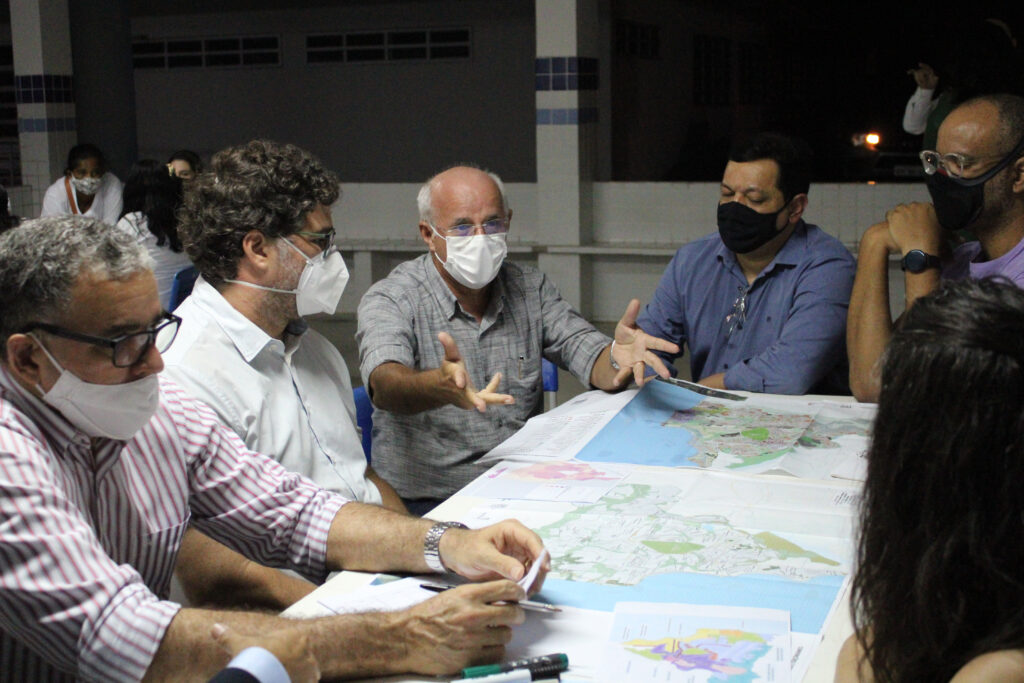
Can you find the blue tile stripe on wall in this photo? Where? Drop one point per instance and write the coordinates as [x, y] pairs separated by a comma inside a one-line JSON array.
[[566, 117], [566, 73], [43, 88], [45, 125]]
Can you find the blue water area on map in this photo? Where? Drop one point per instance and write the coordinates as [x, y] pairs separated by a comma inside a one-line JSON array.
[[808, 602], [636, 436]]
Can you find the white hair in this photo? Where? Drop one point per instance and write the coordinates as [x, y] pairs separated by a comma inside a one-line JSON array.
[[424, 198]]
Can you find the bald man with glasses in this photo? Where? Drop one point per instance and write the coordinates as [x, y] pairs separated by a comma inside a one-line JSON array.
[[976, 181]]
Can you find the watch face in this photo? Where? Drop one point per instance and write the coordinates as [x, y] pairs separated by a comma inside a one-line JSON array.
[[914, 261]]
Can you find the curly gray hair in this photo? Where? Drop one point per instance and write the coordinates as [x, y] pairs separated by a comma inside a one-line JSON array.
[[261, 185], [41, 259]]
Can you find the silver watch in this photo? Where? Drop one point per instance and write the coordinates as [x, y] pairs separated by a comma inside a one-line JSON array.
[[611, 358], [432, 545]]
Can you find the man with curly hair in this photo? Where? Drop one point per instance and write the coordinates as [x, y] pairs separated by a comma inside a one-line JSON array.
[[258, 228]]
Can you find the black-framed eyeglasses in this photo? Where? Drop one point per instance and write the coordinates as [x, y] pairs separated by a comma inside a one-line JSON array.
[[738, 315], [324, 240], [127, 349]]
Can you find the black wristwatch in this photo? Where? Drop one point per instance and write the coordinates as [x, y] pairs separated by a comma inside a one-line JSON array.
[[916, 261]]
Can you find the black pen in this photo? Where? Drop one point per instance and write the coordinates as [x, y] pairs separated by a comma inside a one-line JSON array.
[[525, 604]]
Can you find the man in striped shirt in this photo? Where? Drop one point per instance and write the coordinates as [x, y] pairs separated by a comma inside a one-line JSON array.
[[103, 465]]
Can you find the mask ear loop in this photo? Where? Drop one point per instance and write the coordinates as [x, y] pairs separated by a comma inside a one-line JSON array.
[[38, 386]]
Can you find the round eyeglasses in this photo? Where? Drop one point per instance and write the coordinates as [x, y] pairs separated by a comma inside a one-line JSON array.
[[127, 349]]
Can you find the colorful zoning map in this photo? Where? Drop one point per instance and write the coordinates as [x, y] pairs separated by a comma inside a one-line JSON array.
[[695, 536], [672, 426], [671, 642]]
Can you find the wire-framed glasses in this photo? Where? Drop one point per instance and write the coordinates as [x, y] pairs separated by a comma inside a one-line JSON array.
[[127, 349], [494, 226]]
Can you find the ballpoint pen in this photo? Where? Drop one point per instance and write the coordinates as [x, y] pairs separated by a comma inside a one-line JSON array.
[[525, 604]]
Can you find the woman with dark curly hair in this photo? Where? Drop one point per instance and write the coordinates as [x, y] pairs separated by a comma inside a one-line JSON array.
[[151, 200], [939, 587]]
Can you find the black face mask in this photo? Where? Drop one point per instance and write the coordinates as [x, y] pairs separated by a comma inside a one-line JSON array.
[[958, 201], [742, 229]]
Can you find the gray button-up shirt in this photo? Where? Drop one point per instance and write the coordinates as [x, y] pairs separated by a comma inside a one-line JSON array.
[[432, 454]]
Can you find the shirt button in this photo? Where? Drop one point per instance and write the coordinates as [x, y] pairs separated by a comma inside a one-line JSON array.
[[727, 365]]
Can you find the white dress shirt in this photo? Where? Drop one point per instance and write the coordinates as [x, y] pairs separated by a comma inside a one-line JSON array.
[[106, 206], [292, 401]]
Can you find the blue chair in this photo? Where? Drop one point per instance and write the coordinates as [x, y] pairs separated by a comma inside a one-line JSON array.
[[182, 285], [364, 418], [549, 375]]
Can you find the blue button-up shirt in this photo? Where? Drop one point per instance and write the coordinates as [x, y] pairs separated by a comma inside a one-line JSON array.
[[793, 331]]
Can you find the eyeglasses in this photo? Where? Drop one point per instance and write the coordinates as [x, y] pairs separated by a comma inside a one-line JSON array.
[[495, 226], [324, 240], [738, 315], [955, 164], [128, 349]]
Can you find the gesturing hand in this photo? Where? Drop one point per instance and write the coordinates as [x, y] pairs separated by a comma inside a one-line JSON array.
[[924, 76], [633, 348], [455, 381]]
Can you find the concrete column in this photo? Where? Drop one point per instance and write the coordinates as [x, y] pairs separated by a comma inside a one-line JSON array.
[[46, 109], [567, 83]]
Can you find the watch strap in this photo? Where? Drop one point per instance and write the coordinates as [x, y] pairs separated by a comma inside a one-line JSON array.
[[432, 545], [611, 357], [922, 261]]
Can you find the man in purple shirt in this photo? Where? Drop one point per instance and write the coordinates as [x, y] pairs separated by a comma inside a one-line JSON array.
[[976, 181], [762, 302], [103, 464]]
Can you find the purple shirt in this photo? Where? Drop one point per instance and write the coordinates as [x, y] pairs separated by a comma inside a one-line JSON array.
[[793, 335], [964, 264], [90, 530]]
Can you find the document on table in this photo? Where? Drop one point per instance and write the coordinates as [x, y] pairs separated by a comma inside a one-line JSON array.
[[385, 594], [676, 643], [560, 433]]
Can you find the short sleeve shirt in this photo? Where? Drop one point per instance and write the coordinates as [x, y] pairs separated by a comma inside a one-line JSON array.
[[431, 454]]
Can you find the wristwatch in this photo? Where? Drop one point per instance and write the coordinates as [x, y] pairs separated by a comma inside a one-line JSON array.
[[611, 357], [432, 545], [917, 261]]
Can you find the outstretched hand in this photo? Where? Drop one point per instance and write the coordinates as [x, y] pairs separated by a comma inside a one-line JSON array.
[[456, 383], [634, 349]]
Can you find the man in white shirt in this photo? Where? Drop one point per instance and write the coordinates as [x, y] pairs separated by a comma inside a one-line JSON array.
[[258, 228]]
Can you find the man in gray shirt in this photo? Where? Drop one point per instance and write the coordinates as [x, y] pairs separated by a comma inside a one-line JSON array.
[[461, 317]]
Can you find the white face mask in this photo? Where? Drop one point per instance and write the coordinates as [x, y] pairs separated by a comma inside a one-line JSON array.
[[320, 285], [87, 186], [114, 411], [473, 260]]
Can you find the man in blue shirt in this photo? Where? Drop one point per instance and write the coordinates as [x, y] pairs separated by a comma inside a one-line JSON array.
[[762, 302]]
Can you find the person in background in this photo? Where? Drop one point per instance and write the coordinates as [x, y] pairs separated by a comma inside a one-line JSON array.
[[86, 188], [938, 592], [185, 164], [151, 200], [761, 302]]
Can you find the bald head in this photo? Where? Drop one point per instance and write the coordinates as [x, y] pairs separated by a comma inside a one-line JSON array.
[[985, 126], [466, 185]]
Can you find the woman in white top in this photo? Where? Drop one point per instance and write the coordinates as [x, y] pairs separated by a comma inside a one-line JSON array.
[[151, 200], [86, 187]]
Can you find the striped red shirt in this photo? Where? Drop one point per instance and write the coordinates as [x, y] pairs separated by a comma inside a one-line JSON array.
[[90, 529]]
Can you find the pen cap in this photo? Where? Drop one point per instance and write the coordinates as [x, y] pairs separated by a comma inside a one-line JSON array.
[[539, 667]]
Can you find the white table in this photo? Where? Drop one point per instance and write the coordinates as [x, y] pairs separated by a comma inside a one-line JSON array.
[[822, 666]]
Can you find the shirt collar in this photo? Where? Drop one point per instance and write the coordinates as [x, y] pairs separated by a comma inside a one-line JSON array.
[[247, 336], [446, 300], [791, 253], [54, 426]]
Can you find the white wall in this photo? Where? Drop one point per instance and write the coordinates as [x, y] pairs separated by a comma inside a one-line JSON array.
[[637, 228]]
